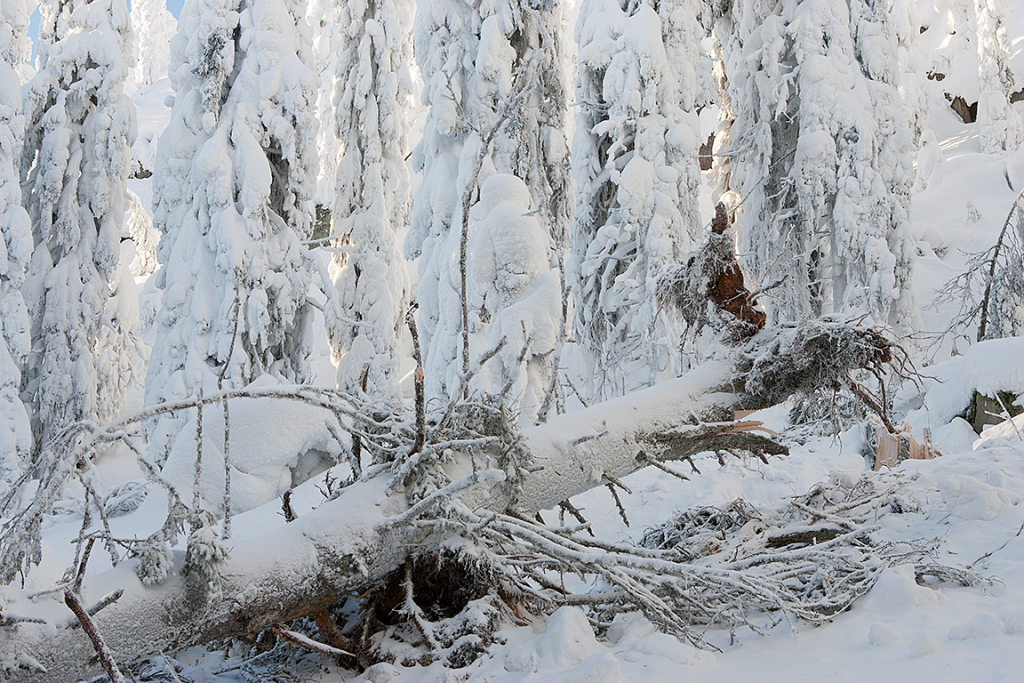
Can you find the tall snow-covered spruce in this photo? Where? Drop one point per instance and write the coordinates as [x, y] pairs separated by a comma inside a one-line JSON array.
[[372, 99], [494, 83], [235, 170], [15, 245], [1000, 124], [820, 147], [154, 28], [635, 163], [77, 155]]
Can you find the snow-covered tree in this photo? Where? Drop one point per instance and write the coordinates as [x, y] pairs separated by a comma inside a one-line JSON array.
[[518, 292], [142, 233], [1000, 125], [821, 155], [970, 61], [635, 163], [475, 60], [236, 168], [372, 98], [15, 245], [154, 27], [324, 19], [77, 157]]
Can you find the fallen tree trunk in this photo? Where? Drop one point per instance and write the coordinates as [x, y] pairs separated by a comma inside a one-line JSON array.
[[360, 537], [355, 540]]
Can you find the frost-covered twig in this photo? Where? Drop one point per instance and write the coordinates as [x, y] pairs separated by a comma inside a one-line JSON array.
[[106, 657], [307, 643]]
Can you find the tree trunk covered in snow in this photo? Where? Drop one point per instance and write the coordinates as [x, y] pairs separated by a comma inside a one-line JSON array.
[[354, 540], [351, 542]]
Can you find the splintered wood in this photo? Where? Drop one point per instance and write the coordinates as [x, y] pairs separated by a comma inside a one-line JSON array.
[[892, 449]]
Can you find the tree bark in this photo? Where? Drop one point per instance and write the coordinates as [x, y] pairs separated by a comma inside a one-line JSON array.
[[351, 542]]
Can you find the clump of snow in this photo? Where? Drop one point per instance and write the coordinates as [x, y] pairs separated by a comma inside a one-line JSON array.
[[883, 634], [897, 587], [924, 644], [982, 625], [568, 639], [969, 498]]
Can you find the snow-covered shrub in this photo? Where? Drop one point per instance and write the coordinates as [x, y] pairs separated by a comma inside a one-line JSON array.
[[372, 100], [822, 149], [635, 163], [77, 158], [474, 61], [235, 172]]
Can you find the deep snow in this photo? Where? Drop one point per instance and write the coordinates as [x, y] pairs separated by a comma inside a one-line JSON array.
[[969, 499]]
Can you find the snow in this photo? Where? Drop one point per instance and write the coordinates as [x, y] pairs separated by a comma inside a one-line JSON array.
[[970, 498]]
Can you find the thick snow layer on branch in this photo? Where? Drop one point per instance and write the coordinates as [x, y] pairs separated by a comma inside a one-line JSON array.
[[514, 287]]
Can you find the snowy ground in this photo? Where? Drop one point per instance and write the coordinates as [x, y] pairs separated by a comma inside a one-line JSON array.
[[969, 499]]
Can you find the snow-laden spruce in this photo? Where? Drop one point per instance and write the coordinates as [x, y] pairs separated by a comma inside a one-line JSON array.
[[372, 100], [324, 19], [514, 286], [15, 245], [77, 156], [999, 123], [493, 73], [145, 237], [635, 163], [154, 27], [821, 149], [235, 171]]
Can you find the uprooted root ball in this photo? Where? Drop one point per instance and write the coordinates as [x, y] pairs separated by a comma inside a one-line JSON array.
[[443, 605]]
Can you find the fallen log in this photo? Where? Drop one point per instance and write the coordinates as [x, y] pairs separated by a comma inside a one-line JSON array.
[[355, 540], [369, 530]]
